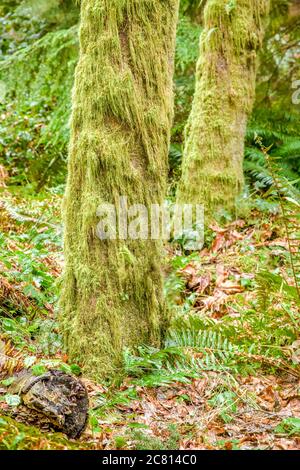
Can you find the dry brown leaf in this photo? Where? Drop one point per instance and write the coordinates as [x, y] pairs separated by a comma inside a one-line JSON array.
[[196, 281]]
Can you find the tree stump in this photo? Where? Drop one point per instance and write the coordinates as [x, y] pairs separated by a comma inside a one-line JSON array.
[[53, 400]]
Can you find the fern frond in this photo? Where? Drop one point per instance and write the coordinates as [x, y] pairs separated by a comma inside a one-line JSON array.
[[270, 283]]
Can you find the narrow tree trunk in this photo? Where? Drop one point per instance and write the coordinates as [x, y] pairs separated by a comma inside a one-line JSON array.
[[212, 172], [122, 113]]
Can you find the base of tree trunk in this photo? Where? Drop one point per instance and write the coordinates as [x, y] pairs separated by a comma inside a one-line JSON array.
[[54, 400]]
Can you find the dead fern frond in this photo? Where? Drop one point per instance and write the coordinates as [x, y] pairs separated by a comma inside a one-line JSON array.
[[10, 359]]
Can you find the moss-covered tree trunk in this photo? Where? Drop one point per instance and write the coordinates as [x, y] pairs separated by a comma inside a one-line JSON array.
[[122, 114], [212, 172]]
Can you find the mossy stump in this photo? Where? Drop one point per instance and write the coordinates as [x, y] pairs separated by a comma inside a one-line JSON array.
[[212, 170]]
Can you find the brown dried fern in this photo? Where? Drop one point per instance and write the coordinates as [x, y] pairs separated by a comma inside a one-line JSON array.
[[11, 360]]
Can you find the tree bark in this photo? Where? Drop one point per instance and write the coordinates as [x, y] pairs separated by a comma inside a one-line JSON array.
[[120, 129], [212, 171]]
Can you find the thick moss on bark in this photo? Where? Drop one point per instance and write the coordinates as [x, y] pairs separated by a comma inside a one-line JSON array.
[[212, 172], [122, 113]]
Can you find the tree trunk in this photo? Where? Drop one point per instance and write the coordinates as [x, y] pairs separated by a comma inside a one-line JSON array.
[[122, 113], [212, 172]]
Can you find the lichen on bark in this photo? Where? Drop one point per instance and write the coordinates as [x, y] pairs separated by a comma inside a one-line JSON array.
[[120, 128], [212, 170]]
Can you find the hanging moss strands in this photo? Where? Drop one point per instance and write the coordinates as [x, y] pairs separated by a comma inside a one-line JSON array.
[[212, 172], [120, 129]]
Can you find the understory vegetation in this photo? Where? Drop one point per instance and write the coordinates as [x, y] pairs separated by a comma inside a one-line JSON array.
[[227, 375]]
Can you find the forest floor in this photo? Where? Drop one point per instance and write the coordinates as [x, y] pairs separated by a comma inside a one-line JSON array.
[[228, 376]]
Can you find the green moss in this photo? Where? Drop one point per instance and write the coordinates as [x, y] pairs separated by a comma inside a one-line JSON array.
[[122, 113], [212, 172]]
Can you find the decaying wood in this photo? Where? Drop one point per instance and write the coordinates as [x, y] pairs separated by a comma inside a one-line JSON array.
[[54, 400]]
